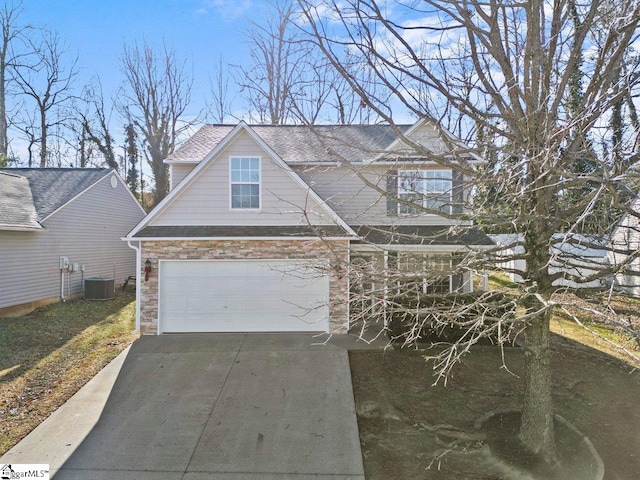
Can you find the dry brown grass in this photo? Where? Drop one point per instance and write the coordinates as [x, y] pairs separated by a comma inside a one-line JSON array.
[[49, 354]]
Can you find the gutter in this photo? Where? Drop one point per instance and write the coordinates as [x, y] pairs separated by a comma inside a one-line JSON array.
[[138, 279]]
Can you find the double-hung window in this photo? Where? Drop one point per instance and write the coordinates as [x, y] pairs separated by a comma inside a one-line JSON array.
[[245, 182], [423, 191]]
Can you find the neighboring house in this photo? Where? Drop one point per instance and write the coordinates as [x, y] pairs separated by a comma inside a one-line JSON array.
[[509, 248], [582, 257], [578, 256], [624, 254], [49, 213], [262, 221]]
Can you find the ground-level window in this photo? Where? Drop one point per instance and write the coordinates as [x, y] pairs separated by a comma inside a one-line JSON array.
[[245, 182], [419, 273], [424, 191]]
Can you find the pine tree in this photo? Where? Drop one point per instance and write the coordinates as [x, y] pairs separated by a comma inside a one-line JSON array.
[[132, 158]]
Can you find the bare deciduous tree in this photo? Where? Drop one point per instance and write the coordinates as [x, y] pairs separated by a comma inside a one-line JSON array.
[[11, 32], [220, 108], [48, 83], [156, 97], [274, 74], [504, 70], [94, 123]]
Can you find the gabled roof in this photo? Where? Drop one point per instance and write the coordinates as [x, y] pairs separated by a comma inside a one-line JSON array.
[[442, 141], [296, 144], [212, 154], [17, 210], [300, 144], [52, 188]]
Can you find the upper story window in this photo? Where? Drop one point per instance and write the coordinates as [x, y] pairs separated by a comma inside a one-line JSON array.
[[426, 189], [245, 182]]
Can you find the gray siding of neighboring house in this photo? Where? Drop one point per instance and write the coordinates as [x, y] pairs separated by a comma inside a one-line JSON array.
[[355, 201], [625, 241], [87, 230]]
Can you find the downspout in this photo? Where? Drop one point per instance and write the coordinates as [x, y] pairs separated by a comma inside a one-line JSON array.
[[138, 282]]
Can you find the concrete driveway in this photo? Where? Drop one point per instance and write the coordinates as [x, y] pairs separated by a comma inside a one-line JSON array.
[[213, 406]]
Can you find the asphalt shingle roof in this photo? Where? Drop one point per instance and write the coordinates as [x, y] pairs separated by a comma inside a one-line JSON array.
[[299, 143], [17, 209], [423, 235], [51, 188]]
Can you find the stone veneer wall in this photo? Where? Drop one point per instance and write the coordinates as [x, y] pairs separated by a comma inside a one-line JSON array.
[[334, 251]]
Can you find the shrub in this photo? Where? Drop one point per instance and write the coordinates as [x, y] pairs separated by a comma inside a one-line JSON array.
[[449, 317]]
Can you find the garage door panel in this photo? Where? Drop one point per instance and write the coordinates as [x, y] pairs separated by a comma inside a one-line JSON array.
[[232, 296]]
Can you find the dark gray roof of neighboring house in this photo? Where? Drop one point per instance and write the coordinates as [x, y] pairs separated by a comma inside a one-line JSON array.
[[423, 235], [213, 231], [52, 188], [299, 143], [17, 209]]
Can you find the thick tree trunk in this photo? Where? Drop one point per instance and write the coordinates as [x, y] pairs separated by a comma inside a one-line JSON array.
[[43, 138], [3, 119], [536, 429], [160, 175]]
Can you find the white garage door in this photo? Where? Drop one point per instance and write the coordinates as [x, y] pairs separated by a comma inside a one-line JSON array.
[[242, 296]]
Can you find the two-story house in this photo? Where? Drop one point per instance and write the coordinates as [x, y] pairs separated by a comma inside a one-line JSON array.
[[262, 224]]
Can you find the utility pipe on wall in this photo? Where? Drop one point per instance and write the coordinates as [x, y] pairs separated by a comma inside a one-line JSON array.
[[62, 285]]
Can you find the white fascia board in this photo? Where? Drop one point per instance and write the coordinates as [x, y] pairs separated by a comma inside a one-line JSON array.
[[181, 162], [198, 239], [316, 164], [422, 161], [19, 228]]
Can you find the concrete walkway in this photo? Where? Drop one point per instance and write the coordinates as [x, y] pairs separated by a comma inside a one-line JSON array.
[[212, 406]]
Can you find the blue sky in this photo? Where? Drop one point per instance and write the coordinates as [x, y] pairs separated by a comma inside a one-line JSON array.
[[200, 31]]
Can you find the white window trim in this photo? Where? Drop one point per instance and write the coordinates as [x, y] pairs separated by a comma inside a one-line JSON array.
[[423, 176], [245, 183], [447, 259]]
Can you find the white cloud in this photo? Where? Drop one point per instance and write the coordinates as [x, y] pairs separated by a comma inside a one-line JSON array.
[[229, 9]]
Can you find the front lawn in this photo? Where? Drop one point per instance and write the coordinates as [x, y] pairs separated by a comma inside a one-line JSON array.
[[49, 354], [410, 429]]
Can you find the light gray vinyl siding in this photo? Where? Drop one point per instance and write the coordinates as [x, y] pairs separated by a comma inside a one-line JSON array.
[[625, 241], [206, 200], [178, 172], [87, 230], [360, 201]]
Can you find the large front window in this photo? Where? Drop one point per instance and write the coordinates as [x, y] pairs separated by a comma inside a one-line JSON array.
[[418, 273], [424, 191], [245, 182]]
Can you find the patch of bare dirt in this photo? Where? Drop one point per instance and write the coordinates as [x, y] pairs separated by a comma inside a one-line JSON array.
[[410, 429]]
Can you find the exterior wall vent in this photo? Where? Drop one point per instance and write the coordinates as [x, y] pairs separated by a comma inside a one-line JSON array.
[[98, 288]]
